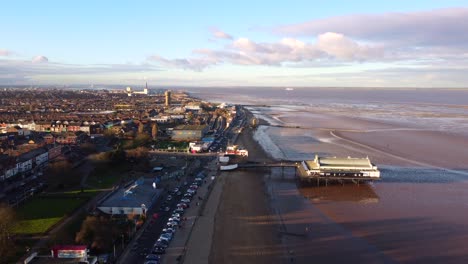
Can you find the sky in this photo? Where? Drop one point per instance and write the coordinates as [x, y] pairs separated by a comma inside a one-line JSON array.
[[237, 43]]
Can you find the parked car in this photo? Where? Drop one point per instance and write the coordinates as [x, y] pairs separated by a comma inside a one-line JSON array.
[[174, 219], [176, 215], [169, 198], [153, 257], [158, 250], [185, 200], [161, 243], [169, 230], [167, 236], [172, 224], [183, 205], [179, 211]]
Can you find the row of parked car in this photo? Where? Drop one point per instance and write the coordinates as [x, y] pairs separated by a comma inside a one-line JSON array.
[[174, 221]]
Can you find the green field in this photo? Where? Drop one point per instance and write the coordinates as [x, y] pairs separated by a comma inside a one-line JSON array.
[[39, 214], [172, 144], [105, 176]]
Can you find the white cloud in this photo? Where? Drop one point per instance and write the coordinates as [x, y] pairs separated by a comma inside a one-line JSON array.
[[220, 34], [5, 53], [243, 51], [40, 59], [21, 71], [339, 46], [423, 28]]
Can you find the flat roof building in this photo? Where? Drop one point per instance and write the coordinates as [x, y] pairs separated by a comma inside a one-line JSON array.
[[334, 167], [189, 132], [135, 198]]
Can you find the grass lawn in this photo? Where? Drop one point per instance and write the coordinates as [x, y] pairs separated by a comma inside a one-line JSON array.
[[107, 175], [172, 144], [40, 213]]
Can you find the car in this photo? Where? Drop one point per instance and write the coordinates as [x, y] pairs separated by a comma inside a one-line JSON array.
[[174, 219], [158, 250], [179, 211], [172, 224], [169, 198], [185, 200], [151, 262], [176, 215], [166, 209], [194, 186], [169, 230], [161, 243], [198, 179], [166, 239], [182, 205], [167, 236], [191, 191], [153, 257], [179, 193]]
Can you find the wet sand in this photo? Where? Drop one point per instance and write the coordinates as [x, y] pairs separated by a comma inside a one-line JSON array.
[[416, 214], [245, 229]]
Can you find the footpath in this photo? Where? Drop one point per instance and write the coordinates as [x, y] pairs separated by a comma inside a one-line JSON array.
[[192, 243]]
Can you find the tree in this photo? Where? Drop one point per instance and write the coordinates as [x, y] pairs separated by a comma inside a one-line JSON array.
[[98, 232], [154, 131], [137, 154], [7, 220], [140, 128], [61, 173]]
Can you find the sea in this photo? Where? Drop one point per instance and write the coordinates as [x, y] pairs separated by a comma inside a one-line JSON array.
[[417, 212]]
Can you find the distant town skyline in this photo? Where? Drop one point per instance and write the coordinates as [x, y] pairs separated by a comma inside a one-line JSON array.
[[242, 43]]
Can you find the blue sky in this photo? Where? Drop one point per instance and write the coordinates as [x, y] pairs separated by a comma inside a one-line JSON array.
[[209, 43]]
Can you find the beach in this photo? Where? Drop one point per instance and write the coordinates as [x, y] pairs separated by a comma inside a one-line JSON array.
[[414, 214]]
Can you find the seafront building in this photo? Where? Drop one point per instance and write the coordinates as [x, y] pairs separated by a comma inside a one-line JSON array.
[[340, 168]]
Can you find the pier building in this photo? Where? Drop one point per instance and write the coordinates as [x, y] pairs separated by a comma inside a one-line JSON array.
[[339, 168]]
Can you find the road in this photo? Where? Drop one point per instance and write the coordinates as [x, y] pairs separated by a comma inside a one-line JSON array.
[[143, 242]]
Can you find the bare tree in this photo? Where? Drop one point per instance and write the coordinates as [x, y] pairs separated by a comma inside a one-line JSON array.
[[140, 128], [154, 131], [7, 220], [97, 232]]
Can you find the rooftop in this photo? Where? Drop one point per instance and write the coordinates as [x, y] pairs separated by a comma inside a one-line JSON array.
[[138, 193], [190, 127]]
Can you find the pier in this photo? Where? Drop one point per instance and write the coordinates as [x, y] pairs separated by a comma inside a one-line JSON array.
[[324, 170]]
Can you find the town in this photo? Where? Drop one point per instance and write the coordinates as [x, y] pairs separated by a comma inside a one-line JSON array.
[[72, 160]]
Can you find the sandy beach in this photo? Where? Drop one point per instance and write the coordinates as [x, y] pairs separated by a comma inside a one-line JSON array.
[[415, 214]]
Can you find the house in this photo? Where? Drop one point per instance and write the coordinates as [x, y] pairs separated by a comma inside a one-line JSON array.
[[67, 139]]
